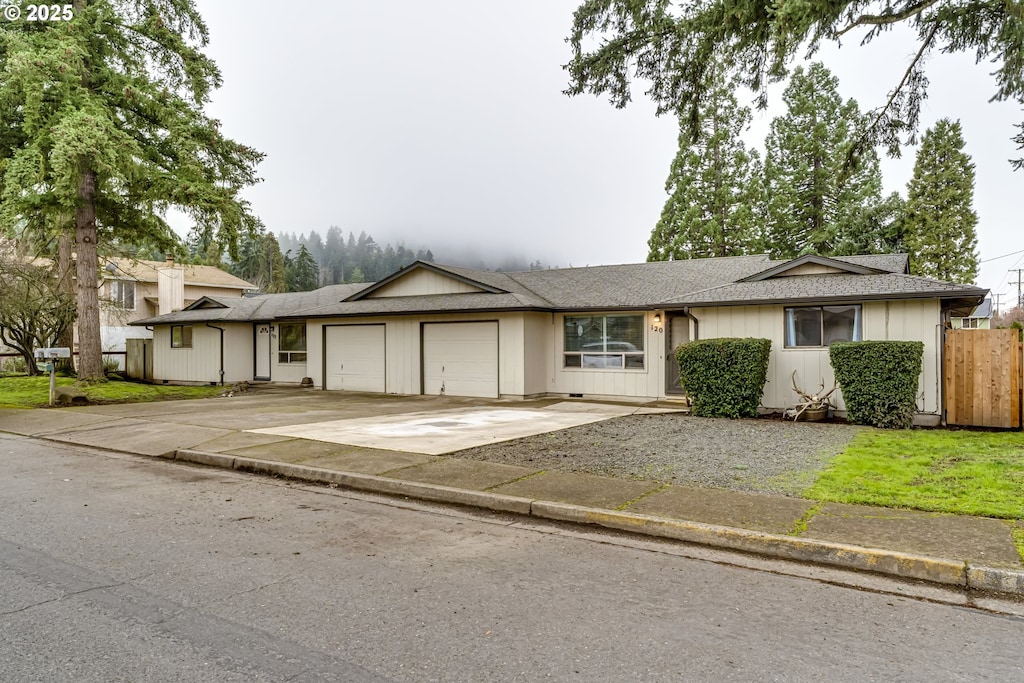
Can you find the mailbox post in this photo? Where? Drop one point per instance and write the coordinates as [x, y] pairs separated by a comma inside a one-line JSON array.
[[51, 355]]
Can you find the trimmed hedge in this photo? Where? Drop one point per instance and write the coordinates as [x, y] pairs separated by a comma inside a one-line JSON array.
[[724, 377], [879, 381]]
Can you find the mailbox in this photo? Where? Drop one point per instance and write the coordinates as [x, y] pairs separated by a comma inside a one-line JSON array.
[[57, 352]]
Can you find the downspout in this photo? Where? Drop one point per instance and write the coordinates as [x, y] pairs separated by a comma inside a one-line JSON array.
[[688, 312], [150, 328], [221, 330], [941, 378]]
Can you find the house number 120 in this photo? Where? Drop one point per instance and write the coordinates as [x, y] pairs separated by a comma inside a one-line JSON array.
[[657, 328]]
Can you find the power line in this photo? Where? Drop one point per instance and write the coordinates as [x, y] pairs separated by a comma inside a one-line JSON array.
[[996, 258]]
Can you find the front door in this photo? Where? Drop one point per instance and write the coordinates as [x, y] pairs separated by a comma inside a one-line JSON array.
[[677, 331], [262, 370]]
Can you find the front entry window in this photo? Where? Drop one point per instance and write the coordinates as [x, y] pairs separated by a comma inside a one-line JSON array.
[[292, 346]]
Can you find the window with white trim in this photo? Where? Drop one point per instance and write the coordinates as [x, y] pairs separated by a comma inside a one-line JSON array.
[[291, 346], [122, 293], [604, 341], [822, 325]]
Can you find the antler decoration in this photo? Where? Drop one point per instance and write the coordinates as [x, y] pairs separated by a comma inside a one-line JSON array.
[[812, 401]]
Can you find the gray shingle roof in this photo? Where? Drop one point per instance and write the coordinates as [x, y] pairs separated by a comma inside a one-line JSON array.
[[634, 286], [641, 285], [428, 303], [821, 288], [894, 263], [260, 307]]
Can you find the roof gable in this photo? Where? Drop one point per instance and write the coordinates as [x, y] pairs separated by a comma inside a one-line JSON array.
[[811, 264], [204, 302], [423, 279]]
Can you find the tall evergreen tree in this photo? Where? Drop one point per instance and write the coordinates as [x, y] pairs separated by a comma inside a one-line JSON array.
[[940, 224], [111, 129], [812, 193], [673, 47], [303, 274], [876, 230], [712, 186]]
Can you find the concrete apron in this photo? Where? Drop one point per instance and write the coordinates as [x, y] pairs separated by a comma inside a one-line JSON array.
[[437, 432]]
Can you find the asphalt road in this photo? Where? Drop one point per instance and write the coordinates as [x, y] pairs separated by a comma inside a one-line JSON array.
[[117, 568]]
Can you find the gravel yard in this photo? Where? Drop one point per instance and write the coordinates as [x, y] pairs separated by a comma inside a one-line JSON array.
[[765, 455]]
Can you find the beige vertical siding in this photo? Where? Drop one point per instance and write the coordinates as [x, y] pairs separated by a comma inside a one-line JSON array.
[[539, 335], [421, 282], [896, 320], [201, 363]]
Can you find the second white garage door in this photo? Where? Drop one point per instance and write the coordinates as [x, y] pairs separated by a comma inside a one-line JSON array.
[[355, 358], [460, 359]]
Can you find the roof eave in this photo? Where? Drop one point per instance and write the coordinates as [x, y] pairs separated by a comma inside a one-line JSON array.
[[957, 297]]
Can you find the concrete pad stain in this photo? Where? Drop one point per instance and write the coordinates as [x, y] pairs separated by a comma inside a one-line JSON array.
[[446, 431]]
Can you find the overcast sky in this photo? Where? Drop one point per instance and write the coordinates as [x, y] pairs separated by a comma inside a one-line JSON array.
[[442, 124]]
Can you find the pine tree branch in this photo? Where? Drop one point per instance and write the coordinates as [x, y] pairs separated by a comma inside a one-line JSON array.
[[886, 19], [869, 131]]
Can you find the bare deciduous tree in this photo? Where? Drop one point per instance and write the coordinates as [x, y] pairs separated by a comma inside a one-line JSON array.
[[35, 310]]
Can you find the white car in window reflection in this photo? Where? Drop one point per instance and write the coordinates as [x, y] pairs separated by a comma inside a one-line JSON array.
[[610, 355]]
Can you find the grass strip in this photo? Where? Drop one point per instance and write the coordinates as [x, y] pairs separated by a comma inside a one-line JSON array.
[[22, 391], [952, 471]]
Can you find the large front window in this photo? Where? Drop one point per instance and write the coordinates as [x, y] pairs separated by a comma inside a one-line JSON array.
[[292, 343], [604, 341], [822, 325]]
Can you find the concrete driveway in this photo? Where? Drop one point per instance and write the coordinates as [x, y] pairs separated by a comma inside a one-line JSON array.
[[436, 432], [430, 425]]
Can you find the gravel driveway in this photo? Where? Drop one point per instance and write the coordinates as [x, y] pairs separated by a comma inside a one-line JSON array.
[[763, 454]]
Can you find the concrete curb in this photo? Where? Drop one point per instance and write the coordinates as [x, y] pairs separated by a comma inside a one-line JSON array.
[[362, 482], [893, 563]]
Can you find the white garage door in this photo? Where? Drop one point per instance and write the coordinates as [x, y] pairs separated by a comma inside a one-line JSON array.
[[355, 358], [460, 359]]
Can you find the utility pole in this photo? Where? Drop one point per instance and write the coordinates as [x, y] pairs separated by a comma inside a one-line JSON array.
[[1020, 302], [996, 307]]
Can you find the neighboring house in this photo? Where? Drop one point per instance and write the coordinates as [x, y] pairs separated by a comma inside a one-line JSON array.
[[598, 332], [979, 319], [132, 290]]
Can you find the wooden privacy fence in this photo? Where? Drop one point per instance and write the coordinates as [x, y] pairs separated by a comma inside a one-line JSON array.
[[982, 378]]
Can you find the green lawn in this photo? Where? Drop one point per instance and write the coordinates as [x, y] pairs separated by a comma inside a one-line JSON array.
[[963, 472], [33, 392]]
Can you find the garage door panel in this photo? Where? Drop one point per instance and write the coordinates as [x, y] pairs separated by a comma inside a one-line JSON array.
[[461, 359], [355, 358]]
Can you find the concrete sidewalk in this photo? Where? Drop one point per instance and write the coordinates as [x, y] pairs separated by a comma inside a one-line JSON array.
[[971, 552]]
